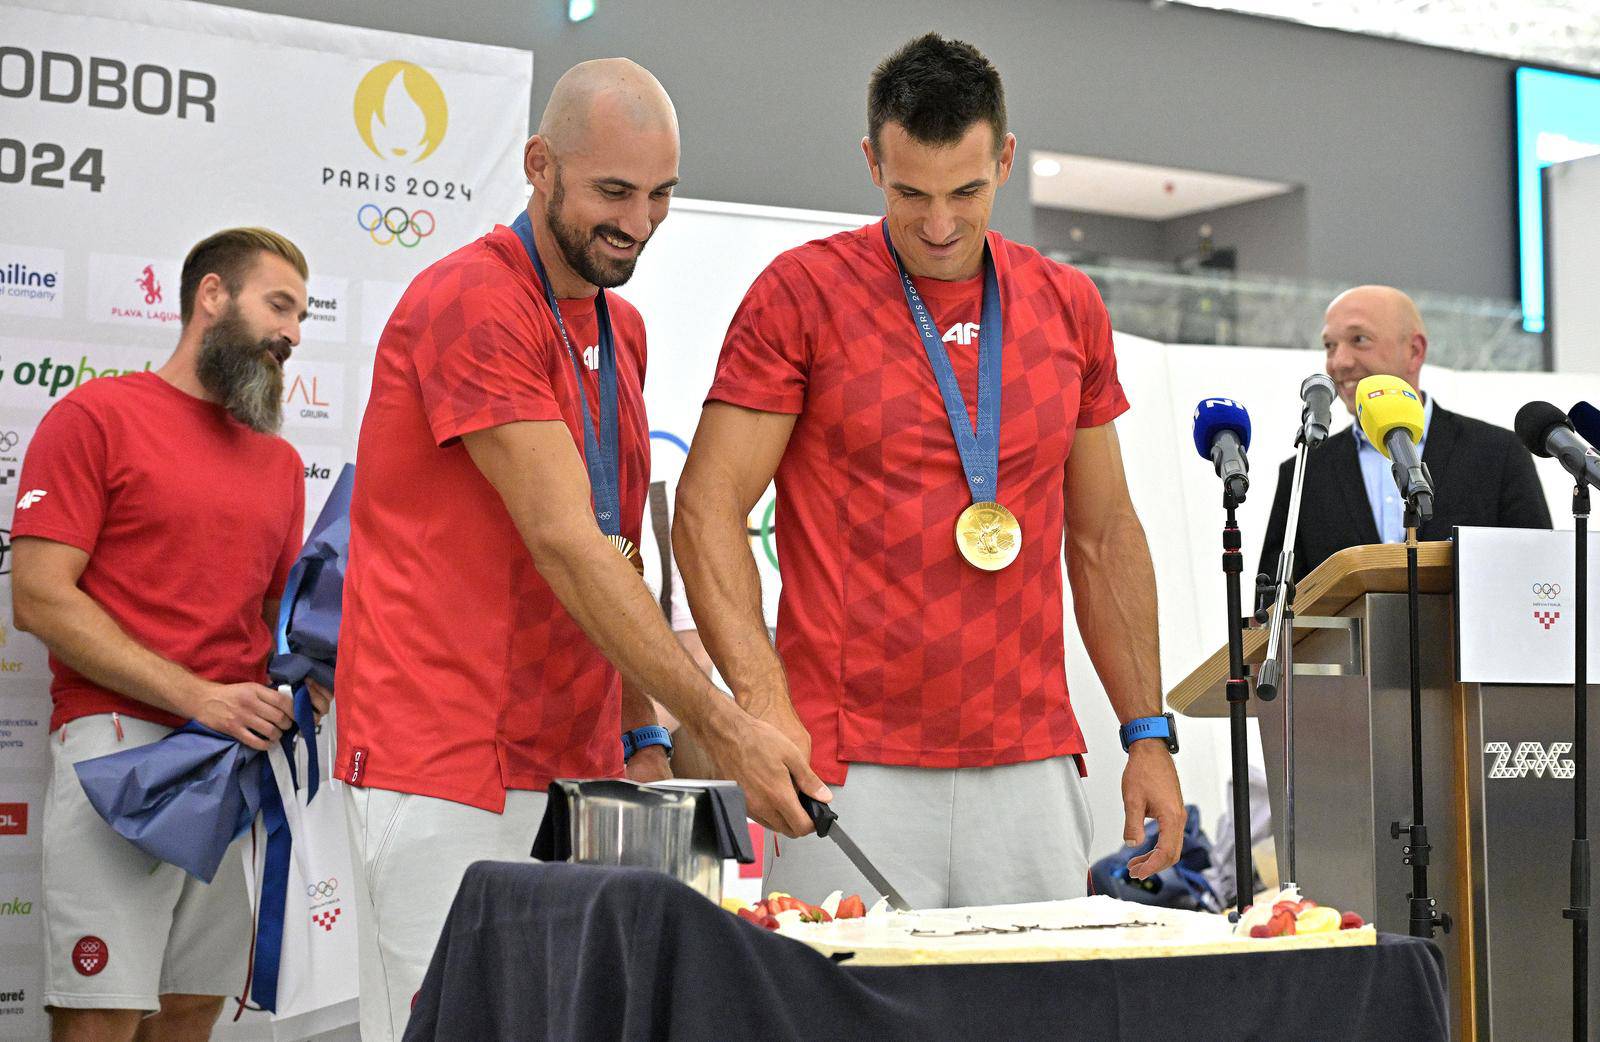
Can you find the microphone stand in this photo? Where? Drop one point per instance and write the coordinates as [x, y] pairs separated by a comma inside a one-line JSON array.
[[1278, 668], [1238, 696], [1424, 916], [1578, 912]]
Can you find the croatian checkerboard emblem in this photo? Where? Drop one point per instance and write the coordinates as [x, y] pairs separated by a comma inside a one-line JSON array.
[[326, 919], [1545, 618], [90, 955]]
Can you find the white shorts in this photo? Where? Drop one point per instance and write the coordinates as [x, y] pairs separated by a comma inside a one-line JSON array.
[[409, 853], [121, 927], [949, 838]]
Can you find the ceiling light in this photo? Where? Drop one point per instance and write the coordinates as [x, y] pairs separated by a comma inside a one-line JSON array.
[[1046, 167], [578, 10]]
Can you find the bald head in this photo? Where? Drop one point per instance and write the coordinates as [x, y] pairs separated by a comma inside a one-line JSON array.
[[601, 103], [1372, 330], [603, 166]]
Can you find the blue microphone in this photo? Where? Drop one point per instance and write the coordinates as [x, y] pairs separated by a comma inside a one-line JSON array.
[[1221, 435]]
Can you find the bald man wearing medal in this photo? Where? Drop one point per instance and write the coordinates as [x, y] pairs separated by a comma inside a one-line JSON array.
[[935, 404]]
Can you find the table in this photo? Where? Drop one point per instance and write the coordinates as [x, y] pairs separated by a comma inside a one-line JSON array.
[[559, 951]]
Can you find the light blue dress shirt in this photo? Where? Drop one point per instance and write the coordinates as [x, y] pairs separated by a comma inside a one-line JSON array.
[[1388, 512]]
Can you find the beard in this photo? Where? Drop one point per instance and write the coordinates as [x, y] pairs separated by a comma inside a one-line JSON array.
[[580, 250], [234, 365]]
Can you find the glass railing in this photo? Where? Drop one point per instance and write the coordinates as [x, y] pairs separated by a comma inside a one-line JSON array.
[[1254, 311]]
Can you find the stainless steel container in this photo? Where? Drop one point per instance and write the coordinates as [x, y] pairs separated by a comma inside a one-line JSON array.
[[671, 830]]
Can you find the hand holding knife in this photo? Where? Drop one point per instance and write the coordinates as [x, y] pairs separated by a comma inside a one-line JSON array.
[[827, 823]]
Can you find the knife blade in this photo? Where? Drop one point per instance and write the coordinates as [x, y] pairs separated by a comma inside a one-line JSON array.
[[827, 823]]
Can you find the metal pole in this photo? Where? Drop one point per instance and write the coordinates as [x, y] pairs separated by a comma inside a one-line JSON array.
[[1238, 696], [1578, 912]]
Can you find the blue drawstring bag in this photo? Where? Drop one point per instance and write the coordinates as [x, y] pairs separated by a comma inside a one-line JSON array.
[[1183, 885]]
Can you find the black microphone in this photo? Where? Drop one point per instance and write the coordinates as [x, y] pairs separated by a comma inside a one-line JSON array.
[[1585, 420], [1544, 431], [1221, 435], [1317, 416]]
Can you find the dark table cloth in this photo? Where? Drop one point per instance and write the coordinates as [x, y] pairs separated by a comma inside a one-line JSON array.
[[558, 951]]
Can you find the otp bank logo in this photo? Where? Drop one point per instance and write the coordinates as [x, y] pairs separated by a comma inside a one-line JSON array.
[[400, 111]]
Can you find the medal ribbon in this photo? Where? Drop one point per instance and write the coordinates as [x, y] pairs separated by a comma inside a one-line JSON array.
[[599, 454], [980, 449]]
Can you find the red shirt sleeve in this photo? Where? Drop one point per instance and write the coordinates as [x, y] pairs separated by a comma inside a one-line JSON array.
[[766, 356], [1101, 399], [294, 538], [62, 494], [482, 355]]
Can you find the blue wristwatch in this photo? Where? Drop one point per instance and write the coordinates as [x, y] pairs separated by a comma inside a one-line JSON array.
[[1150, 727], [643, 737]]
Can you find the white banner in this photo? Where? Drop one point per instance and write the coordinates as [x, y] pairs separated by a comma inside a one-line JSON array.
[[1515, 601], [133, 129]]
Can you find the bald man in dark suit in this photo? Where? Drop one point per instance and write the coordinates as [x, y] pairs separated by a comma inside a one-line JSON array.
[[1481, 473]]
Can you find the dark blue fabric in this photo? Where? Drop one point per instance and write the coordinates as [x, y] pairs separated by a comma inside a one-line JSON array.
[[183, 799], [579, 952]]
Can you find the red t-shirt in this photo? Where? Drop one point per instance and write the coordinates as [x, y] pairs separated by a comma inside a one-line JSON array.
[[897, 650], [460, 675], [191, 521]]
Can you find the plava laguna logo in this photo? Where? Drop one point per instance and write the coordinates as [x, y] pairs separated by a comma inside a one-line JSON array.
[[151, 286]]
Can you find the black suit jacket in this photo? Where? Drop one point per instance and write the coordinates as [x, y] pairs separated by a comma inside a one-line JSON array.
[[1481, 476]]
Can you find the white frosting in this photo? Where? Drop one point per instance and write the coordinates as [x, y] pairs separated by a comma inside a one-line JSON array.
[[1085, 928]]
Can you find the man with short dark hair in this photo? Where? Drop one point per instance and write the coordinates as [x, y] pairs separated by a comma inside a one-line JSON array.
[[936, 404], [156, 521]]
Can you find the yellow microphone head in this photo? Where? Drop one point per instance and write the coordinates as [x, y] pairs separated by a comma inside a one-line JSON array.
[[1384, 403]]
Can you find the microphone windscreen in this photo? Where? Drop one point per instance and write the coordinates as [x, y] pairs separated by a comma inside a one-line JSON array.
[[1215, 415], [1534, 423], [1384, 403], [1586, 421]]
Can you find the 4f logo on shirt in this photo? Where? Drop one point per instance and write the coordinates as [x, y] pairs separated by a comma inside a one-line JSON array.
[[1530, 757], [962, 333], [591, 358], [30, 497]]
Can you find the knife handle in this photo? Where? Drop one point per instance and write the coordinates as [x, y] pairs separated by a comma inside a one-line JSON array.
[[822, 815]]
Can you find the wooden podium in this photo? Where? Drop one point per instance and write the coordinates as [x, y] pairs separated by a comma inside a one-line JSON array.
[[1352, 771]]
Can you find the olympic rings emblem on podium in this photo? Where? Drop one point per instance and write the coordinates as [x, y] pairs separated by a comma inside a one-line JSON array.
[[395, 224]]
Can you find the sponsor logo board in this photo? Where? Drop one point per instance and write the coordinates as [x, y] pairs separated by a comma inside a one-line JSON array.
[[32, 281], [313, 394], [133, 290], [327, 310]]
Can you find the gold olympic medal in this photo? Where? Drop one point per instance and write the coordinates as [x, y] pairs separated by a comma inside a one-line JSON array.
[[988, 536], [629, 552]]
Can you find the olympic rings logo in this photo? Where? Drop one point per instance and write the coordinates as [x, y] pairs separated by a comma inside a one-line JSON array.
[[1547, 590], [395, 224], [323, 889]]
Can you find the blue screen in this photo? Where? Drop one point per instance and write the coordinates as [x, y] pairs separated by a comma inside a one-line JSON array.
[[1558, 118]]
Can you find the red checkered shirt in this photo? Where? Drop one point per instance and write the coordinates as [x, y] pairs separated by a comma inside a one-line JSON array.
[[460, 674], [897, 650]]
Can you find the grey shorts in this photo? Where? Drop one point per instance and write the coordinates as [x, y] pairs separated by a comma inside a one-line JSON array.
[[121, 927], [950, 838]]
